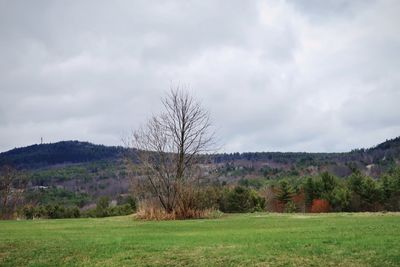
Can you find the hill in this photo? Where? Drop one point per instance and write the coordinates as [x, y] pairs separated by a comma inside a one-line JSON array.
[[43, 155]]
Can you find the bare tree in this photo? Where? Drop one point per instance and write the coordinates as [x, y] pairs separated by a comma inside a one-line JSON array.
[[169, 147], [12, 186]]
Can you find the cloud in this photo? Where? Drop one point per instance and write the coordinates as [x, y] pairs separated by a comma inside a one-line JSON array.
[[281, 76]]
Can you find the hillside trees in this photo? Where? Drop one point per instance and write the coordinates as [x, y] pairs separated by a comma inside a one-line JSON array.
[[168, 150]]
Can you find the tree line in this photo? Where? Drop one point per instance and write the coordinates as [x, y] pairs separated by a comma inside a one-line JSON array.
[[321, 193]]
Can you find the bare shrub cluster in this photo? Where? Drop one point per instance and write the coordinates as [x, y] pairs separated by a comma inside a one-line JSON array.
[[151, 210], [168, 151]]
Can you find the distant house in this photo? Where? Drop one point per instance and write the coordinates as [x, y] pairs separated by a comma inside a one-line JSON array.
[[38, 187]]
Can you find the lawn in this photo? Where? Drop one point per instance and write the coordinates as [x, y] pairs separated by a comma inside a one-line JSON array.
[[258, 239]]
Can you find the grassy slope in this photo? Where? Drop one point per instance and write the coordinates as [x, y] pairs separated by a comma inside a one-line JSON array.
[[250, 239]]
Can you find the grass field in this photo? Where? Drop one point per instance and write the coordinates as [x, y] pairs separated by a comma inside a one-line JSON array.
[[259, 239]]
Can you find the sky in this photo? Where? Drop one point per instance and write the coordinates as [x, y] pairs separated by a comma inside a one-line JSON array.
[[314, 76]]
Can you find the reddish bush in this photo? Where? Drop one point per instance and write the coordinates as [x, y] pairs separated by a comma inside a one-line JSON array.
[[320, 205]]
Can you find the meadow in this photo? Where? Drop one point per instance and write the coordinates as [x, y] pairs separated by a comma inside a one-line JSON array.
[[254, 239]]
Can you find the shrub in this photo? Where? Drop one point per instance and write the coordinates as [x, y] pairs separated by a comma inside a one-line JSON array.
[[120, 210], [242, 199], [290, 207], [28, 211], [102, 207], [209, 198], [55, 212], [73, 212], [121, 200], [151, 211], [50, 212]]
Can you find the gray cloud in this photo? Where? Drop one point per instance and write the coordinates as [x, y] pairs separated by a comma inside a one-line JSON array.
[[275, 75]]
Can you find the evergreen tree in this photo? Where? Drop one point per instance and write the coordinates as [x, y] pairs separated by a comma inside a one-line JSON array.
[[285, 192]]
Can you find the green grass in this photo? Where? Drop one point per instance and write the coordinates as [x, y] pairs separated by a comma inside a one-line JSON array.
[[259, 239]]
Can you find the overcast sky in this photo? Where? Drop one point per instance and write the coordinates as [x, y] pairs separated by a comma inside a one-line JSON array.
[[275, 75]]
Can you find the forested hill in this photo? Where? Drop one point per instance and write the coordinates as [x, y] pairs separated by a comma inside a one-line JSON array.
[[65, 152], [386, 151], [56, 153], [388, 144]]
